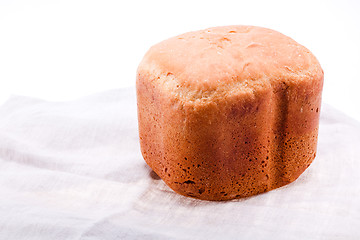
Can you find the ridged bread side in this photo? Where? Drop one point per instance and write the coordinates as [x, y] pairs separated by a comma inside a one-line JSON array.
[[236, 146]]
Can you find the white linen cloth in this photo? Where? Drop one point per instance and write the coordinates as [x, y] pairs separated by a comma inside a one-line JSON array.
[[73, 170]]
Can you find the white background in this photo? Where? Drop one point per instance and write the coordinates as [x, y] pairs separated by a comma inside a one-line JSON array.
[[62, 50]]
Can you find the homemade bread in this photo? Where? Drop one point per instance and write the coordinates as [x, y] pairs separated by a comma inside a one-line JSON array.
[[228, 112]]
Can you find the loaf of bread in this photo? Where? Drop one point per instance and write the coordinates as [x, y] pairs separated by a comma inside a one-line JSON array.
[[228, 112]]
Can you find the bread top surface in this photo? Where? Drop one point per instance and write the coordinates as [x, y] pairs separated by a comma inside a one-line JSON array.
[[214, 61]]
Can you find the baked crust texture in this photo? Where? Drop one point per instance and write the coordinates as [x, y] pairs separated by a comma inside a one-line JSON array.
[[228, 112]]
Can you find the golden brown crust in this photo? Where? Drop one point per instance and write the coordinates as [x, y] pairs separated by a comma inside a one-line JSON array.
[[222, 126]]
